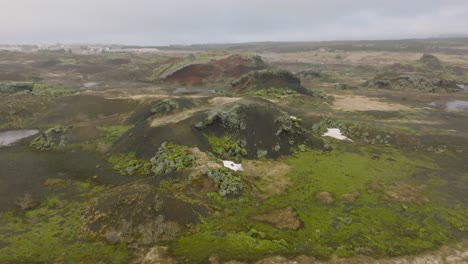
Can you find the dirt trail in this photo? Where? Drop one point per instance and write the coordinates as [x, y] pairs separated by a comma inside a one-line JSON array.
[[175, 118], [363, 103]]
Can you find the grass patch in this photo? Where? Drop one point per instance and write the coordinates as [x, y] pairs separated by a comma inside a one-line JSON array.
[[51, 90], [128, 164]]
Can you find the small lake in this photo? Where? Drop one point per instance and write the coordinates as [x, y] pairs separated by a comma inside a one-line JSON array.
[[90, 85], [457, 105], [9, 137]]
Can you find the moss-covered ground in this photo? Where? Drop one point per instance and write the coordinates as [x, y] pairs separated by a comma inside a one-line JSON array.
[[51, 232], [371, 224]]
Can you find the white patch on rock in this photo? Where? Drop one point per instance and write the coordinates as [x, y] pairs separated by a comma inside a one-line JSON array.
[[233, 166], [293, 117], [335, 133]]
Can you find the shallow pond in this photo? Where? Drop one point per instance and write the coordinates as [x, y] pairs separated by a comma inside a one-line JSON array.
[[9, 137], [90, 85], [457, 105]]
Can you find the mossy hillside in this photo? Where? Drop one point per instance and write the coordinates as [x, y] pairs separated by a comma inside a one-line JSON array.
[[103, 144], [52, 233], [370, 225], [114, 132], [168, 158]]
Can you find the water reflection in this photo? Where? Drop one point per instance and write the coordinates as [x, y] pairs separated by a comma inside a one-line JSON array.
[[9, 137]]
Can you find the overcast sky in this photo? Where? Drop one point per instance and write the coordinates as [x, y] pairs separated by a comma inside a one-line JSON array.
[[158, 22]]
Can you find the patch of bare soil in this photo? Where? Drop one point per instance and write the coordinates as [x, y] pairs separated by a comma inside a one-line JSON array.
[[285, 218], [454, 254], [325, 197], [175, 118], [204, 161], [217, 101], [362, 103], [406, 192], [270, 177], [350, 197], [157, 254], [401, 192], [128, 91], [414, 121]]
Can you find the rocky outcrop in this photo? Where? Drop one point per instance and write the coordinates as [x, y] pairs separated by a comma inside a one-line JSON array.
[[415, 82], [259, 124], [427, 74], [15, 87], [431, 61], [267, 79]]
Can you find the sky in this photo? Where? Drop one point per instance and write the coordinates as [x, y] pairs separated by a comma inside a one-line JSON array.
[[157, 22]]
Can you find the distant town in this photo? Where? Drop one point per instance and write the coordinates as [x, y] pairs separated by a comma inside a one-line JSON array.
[[77, 48]]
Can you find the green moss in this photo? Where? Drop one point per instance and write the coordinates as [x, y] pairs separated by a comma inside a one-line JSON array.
[[69, 60], [227, 147], [226, 246], [51, 90], [169, 158], [114, 132], [111, 134], [127, 164], [51, 233], [369, 225]]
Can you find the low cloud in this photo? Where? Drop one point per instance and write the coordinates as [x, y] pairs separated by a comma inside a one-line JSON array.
[[150, 22]]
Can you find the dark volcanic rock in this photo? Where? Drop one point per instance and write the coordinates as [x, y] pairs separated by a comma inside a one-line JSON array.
[[137, 213], [260, 124], [431, 61]]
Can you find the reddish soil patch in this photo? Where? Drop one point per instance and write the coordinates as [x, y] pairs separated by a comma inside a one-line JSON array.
[[325, 197], [284, 218], [221, 70], [193, 74]]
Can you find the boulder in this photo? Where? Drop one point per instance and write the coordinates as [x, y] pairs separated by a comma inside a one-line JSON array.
[[15, 87]]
